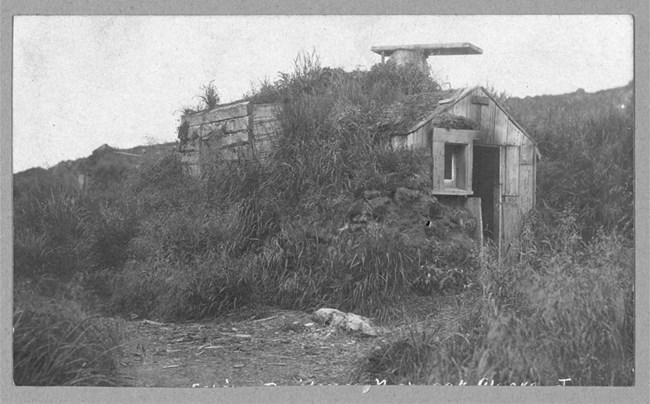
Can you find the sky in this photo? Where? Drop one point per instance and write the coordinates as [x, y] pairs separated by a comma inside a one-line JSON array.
[[83, 81]]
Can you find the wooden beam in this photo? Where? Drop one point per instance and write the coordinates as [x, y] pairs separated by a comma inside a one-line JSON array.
[[469, 163], [452, 191], [438, 165], [477, 99], [498, 205], [511, 171], [218, 114], [455, 135], [458, 48]]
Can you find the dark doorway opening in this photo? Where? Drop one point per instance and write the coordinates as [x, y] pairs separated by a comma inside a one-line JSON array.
[[485, 183]]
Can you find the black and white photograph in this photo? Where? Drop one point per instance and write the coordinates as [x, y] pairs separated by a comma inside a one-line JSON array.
[[229, 202]]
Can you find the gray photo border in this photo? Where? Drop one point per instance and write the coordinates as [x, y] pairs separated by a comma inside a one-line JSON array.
[[639, 9]]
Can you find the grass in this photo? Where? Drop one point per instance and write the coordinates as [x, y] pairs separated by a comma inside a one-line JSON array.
[[209, 96], [56, 344], [564, 311], [160, 243]]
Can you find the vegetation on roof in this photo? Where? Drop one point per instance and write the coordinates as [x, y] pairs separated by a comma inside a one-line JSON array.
[[155, 242]]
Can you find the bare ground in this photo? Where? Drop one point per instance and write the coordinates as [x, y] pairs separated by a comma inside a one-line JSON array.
[[270, 346]]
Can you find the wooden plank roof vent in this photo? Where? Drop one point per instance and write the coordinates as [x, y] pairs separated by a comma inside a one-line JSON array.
[[418, 54]]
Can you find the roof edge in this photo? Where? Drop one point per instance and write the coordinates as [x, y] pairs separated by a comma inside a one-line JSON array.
[[464, 92], [514, 121]]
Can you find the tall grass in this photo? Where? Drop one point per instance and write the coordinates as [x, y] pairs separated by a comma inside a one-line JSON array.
[[209, 96], [587, 144], [160, 243], [51, 238], [56, 344], [565, 311]]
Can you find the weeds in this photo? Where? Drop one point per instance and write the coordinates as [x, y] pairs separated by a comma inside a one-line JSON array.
[[564, 311], [210, 96], [57, 345], [160, 243]]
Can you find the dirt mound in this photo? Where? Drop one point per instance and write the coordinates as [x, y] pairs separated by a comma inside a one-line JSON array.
[[399, 117], [421, 218]]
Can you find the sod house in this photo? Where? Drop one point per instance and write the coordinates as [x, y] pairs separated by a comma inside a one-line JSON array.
[[489, 169], [481, 158]]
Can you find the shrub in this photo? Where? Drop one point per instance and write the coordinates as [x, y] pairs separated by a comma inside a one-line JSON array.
[[214, 287], [137, 288], [363, 273], [587, 144], [51, 238], [113, 229], [564, 311], [164, 186], [211, 285]]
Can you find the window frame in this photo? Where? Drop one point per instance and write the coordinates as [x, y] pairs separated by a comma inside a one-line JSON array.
[[461, 142]]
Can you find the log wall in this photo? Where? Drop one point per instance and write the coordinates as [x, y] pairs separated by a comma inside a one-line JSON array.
[[229, 132]]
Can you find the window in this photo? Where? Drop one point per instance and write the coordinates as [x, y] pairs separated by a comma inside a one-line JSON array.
[[452, 151], [454, 176]]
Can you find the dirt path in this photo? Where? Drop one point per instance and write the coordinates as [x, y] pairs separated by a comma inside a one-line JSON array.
[[282, 347]]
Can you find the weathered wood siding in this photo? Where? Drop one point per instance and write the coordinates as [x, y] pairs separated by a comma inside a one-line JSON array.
[[439, 137], [518, 169], [438, 164], [265, 127], [511, 213], [230, 131], [515, 190]]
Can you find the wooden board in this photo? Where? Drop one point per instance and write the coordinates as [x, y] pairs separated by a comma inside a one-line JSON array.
[[511, 180], [474, 109], [511, 227], [236, 124], [461, 107], [526, 153], [526, 185], [514, 137], [469, 158], [438, 165], [481, 100], [233, 138], [534, 178], [498, 201], [487, 122], [227, 112], [455, 135], [265, 112], [212, 129], [218, 114], [500, 128]]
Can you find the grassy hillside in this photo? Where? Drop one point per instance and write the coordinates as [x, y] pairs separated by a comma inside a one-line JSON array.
[[587, 144], [336, 218]]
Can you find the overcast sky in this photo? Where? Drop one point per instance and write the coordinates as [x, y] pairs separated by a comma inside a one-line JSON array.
[[82, 81]]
